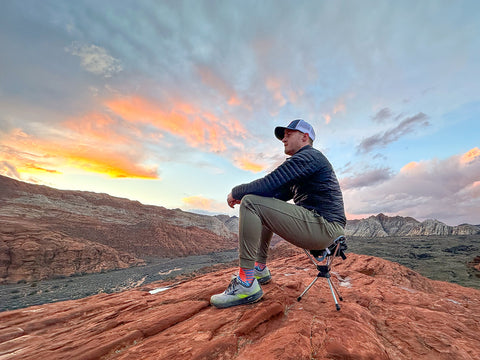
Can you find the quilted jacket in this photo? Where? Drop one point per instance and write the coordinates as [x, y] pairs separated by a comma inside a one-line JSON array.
[[308, 178]]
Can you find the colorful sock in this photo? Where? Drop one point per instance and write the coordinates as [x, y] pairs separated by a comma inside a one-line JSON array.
[[260, 266], [246, 276]]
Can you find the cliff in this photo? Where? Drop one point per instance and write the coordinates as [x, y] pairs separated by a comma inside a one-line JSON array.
[[388, 312], [93, 228], [382, 225], [33, 253]]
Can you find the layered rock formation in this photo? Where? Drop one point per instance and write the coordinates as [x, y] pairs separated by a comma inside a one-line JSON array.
[[382, 225], [388, 312], [127, 229], [36, 253]]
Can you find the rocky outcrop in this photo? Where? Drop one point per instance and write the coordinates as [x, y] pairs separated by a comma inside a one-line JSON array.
[[388, 312], [127, 229], [465, 229], [382, 225], [475, 266], [231, 222], [32, 254]]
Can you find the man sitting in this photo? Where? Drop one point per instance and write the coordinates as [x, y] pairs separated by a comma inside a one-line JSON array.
[[316, 218]]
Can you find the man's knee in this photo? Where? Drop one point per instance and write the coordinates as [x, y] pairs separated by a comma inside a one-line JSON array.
[[248, 199]]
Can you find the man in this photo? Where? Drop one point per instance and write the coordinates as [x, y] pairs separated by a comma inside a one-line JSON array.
[[313, 222]]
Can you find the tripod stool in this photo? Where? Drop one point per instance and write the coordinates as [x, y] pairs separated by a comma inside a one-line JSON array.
[[317, 256]]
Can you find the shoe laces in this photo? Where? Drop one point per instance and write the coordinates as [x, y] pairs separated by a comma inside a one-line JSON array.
[[232, 285]]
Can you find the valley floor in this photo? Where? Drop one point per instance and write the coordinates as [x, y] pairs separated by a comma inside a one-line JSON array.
[[21, 295], [436, 257]]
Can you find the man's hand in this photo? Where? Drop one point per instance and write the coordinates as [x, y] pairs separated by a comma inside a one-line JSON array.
[[231, 201]]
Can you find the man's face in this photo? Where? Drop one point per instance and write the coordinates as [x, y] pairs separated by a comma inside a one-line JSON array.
[[293, 140]]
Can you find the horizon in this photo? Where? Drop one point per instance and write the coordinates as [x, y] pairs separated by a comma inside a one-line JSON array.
[[174, 103], [208, 213]]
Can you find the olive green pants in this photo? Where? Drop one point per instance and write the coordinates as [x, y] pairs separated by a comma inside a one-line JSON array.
[[260, 217]]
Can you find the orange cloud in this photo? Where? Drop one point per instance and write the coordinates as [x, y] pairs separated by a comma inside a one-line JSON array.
[[470, 156], [29, 155], [410, 166], [234, 101], [115, 165], [245, 163], [95, 127], [197, 127], [203, 203]]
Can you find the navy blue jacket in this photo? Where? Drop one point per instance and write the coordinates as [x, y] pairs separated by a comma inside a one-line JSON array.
[[308, 178]]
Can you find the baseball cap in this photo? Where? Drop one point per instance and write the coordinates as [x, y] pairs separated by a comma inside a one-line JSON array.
[[299, 125]]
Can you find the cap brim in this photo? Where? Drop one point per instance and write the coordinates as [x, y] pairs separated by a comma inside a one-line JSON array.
[[280, 132]]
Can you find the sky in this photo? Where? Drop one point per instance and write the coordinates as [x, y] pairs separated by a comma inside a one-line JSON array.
[[173, 103]]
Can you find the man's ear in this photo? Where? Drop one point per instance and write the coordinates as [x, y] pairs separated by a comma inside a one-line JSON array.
[[305, 137]]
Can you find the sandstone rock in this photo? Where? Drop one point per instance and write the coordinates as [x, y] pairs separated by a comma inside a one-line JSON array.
[[128, 229], [34, 253], [388, 312]]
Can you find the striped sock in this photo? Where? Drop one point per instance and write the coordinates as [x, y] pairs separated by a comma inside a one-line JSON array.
[[260, 266], [246, 276]]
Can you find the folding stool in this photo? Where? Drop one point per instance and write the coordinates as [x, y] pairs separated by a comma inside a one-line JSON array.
[[317, 256]]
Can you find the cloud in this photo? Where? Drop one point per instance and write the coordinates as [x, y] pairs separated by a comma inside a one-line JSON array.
[[95, 59], [215, 82], [9, 170], [339, 107], [367, 178], [94, 127], [200, 129], [382, 115], [446, 190], [64, 150], [470, 156], [202, 203], [380, 140], [245, 162]]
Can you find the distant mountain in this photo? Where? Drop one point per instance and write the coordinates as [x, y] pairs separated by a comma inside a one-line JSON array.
[[381, 225], [45, 232], [39, 225]]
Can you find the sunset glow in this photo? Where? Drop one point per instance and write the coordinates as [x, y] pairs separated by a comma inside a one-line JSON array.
[[174, 105], [470, 156]]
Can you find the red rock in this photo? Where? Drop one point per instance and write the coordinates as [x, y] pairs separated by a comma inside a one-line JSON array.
[[388, 312], [34, 253], [44, 230]]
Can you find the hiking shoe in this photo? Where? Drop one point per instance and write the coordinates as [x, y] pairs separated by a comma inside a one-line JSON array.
[[262, 276], [237, 294]]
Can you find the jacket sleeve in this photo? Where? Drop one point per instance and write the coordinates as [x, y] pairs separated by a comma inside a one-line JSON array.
[[294, 169]]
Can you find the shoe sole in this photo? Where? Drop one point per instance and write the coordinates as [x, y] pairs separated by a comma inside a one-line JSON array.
[[264, 280], [245, 301]]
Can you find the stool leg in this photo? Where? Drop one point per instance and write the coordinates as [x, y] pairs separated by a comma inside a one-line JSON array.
[[333, 293], [338, 293], [308, 288]]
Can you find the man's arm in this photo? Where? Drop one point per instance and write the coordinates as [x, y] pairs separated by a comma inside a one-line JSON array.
[[297, 167]]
